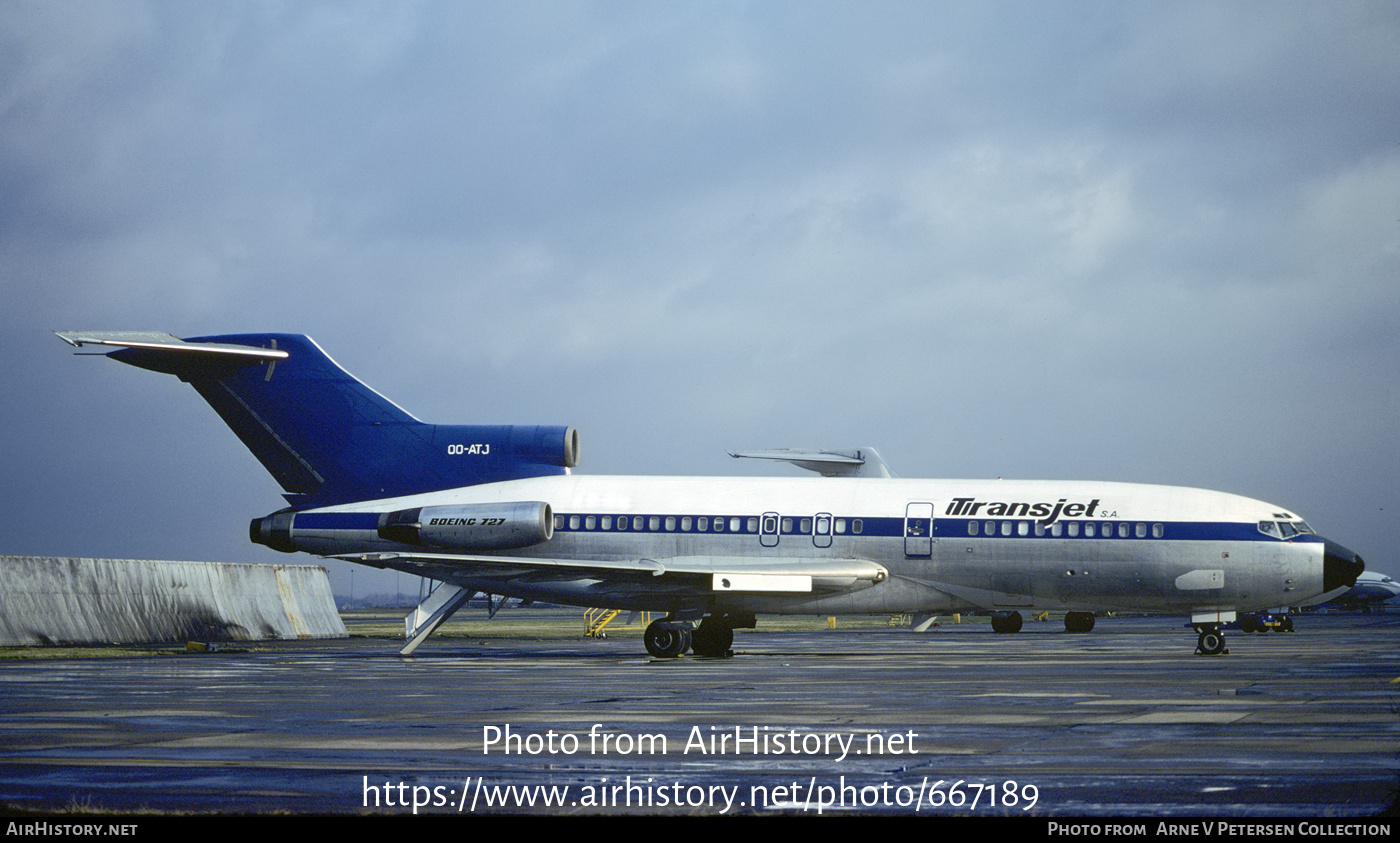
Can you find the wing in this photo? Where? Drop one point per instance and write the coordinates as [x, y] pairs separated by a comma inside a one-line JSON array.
[[696, 574]]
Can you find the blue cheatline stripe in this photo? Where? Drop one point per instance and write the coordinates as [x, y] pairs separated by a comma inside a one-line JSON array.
[[946, 528], [956, 528]]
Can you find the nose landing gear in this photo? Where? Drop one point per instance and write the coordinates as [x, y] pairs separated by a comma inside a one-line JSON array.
[[1211, 641]]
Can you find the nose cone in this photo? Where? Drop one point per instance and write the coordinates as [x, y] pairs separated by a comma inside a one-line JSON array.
[[1340, 567]]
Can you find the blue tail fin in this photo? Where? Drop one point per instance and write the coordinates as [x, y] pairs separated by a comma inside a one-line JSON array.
[[326, 437]]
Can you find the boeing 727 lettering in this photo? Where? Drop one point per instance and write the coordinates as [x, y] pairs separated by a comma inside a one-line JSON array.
[[498, 510]]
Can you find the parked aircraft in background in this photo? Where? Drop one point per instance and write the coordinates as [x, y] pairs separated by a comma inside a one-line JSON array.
[[497, 510], [1372, 590]]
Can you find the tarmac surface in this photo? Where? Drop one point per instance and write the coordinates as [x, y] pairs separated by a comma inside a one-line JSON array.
[[1124, 721]]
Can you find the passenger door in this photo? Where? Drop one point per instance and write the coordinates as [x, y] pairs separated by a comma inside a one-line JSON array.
[[918, 530]]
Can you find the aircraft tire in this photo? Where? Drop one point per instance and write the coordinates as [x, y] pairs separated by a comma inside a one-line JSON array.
[[712, 639], [1211, 643], [1079, 622], [666, 639], [1247, 624], [1008, 623], [1287, 625]]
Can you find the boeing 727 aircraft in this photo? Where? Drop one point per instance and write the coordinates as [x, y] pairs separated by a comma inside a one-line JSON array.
[[496, 510]]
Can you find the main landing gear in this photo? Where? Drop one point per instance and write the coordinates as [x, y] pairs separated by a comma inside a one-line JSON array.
[[713, 638], [1074, 622], [668, 639], [1079, 622], [1008, 622]]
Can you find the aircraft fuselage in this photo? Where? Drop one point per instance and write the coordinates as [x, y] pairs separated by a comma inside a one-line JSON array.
[[947, 545]]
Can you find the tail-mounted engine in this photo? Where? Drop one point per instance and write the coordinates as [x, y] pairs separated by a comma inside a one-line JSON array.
[[498, 526], [479, 526]]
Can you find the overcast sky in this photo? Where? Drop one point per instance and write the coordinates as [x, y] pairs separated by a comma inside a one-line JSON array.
[[1151, 242]]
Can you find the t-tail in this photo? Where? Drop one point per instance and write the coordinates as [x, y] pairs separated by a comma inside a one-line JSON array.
[[325, 436]]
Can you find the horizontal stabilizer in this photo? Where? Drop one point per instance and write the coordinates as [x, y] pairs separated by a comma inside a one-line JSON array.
[[173, 356]]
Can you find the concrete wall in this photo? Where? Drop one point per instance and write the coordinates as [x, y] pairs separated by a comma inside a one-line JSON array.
[[52, 600]]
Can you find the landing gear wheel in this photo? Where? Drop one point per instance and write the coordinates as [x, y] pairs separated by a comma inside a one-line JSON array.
[[1010, 622], [667, 639], [1079, 622], [1247, 624], [712, 639], [1286, 625], [1211, 643]]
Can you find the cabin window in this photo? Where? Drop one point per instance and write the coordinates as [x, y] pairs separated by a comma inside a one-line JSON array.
[[573, 522], [702, 524], [787, 525], [1006, 528], [1073, 528], [1123, 530], [719, 525], [1140, 530], [559, 522], [1089, 529], [1023, 528], [1039, 529], [804, 526], [622, 522], [685, 524], [1056, 528], [752, 525], [856, 526], [1158, 531], [840, 525], [590, 522], [972, 528], [670, 523], [654, 523]]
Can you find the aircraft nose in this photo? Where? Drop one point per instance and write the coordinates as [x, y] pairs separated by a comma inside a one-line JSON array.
[[1340, 567]]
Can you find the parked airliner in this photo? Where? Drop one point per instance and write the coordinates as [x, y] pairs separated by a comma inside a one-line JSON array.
[[497, 510], [1372, 590]]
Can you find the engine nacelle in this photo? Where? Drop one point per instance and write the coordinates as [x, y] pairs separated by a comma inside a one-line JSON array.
[[479, 526]]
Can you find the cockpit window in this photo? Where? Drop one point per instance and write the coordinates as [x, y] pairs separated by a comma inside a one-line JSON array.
[[1284, 529]]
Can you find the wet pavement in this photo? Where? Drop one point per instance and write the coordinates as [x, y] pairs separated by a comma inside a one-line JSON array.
[[1124, 721]]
